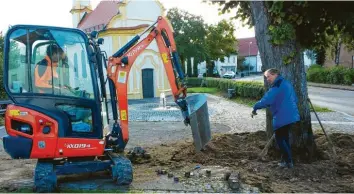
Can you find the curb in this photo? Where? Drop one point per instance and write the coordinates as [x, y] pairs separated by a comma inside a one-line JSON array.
[[340, 87]]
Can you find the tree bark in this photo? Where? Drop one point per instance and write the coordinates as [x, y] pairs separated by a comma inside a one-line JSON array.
[[301, 136]]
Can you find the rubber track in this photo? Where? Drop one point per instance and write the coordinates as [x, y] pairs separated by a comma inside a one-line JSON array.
[[122, 170], [45, 179]]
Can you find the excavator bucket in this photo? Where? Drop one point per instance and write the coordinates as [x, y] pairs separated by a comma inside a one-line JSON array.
[[199, 120]]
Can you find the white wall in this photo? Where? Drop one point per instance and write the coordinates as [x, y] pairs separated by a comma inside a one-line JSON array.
[[259, 63], [138, 13], [138, 10]]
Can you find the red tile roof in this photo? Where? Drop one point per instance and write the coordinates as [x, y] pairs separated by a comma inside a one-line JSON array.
[[100, 17], [243, 47]]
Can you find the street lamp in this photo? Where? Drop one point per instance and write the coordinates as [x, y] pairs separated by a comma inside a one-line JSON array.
[[249, 58]]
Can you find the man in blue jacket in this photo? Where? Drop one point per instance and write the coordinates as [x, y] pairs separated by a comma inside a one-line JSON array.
[[282, 101]]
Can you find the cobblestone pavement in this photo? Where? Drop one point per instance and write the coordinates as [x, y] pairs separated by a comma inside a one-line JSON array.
[[235, 116]]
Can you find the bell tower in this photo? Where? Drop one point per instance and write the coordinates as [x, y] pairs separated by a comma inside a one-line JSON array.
[[79, 10]]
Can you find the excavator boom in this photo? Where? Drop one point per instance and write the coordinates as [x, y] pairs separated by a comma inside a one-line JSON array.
[[119, 66]]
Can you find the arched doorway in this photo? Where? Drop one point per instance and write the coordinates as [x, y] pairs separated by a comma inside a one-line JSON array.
[[148, 83]]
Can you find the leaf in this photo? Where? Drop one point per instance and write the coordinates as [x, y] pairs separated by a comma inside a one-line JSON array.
[[278, 20], [270, 27], [299, 21]]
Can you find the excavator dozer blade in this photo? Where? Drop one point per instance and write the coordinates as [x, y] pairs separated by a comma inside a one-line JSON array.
[[199, 120]]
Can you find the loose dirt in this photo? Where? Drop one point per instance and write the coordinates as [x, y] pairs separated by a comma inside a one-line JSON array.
[[240, 152], [235, 153]]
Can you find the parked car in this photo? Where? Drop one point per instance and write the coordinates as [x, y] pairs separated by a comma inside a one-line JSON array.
[[229, 75]]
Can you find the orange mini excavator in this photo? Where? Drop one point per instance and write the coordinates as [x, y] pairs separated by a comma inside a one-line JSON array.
[[55, 78]]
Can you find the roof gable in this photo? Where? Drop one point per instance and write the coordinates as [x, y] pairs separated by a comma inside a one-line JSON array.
[[100, 17], [245, 48]]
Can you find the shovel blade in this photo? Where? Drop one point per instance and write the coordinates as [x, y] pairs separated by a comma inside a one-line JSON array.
[[199, 120]]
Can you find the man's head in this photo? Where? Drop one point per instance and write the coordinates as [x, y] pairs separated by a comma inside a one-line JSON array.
[[54, 52], [271, 75]]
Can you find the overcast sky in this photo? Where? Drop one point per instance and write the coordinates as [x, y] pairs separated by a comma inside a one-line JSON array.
[[56, 13]]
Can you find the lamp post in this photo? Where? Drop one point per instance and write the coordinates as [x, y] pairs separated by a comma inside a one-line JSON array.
[[249, 58]]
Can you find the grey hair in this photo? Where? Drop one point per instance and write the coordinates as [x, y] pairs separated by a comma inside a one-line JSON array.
[[273, 71]]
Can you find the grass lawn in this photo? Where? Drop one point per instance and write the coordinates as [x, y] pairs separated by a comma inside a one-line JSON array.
[[245, 101], [203, 90]]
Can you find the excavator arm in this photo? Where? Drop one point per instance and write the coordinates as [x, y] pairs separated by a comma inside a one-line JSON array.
[[120, 63]]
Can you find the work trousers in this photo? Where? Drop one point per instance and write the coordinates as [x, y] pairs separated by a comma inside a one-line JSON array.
[[282, 139]]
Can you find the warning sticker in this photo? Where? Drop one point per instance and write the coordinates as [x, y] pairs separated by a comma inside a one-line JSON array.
[[164, 57], [123, 115], [122, 77], [14, 112]]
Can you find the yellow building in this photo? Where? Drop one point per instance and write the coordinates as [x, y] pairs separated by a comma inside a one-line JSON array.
[[118, 21]]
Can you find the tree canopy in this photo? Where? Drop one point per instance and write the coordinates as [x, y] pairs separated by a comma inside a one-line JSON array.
[[195, 38], [190, 32], [220, 40], [312, 24]]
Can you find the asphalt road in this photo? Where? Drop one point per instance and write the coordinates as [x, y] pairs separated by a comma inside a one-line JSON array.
[[334, 99]]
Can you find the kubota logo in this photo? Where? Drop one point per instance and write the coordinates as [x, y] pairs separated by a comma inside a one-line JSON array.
[[135, 50], [77, 146]]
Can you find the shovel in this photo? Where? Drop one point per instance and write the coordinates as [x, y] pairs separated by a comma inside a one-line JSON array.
[[199, 120]]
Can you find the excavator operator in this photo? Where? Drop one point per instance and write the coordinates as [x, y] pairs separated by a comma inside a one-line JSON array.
[[45, 71]]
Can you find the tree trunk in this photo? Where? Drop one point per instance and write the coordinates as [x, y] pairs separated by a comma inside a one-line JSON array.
[[321, 56], [301, 137], [183, 66], [189, 67], [337, 51]]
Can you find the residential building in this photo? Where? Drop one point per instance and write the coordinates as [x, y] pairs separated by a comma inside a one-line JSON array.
[[248, 49], [346, 58]]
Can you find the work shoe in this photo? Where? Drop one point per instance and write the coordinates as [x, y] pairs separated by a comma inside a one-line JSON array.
[[290, 165], [282, 164]]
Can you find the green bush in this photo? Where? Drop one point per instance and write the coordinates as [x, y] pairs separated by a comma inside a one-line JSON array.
[[247, 89], [315, 66], [194, 82], [334, 75]]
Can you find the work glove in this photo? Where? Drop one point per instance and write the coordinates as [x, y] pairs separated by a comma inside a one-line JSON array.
[[253, 113]]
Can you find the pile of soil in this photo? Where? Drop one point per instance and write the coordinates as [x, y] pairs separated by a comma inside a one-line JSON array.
[[237, 152], [240, 153]]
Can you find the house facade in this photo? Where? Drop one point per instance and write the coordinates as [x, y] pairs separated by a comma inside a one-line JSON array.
[[346, 58], [228, 64], [117, 22], [248, 49]]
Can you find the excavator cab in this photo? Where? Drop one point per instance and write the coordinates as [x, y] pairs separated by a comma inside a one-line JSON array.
[[47, 70], [57, 80]]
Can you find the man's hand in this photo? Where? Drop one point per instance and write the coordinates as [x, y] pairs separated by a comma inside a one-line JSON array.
[[253, 113]]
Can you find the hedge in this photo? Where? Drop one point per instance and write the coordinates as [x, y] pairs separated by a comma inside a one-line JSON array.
[[332, 75], [247, 89]]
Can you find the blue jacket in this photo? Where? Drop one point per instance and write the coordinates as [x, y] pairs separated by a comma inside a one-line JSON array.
[[282, 101]]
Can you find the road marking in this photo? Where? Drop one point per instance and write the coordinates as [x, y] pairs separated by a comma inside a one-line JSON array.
[[333, 122], [348, 116]]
